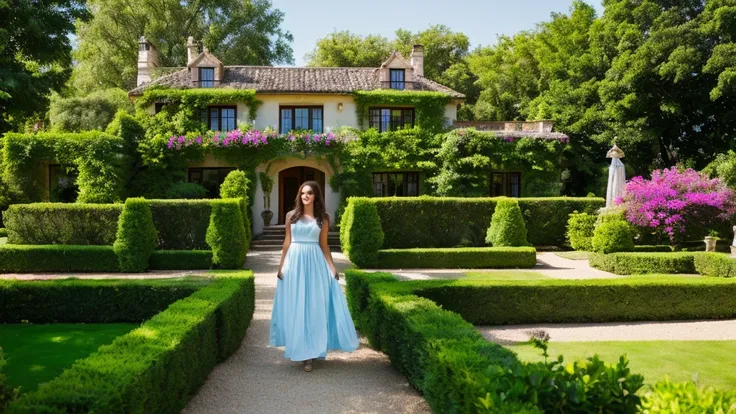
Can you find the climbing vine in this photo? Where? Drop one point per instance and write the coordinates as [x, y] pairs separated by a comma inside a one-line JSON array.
[[429, 106], [190, 101]]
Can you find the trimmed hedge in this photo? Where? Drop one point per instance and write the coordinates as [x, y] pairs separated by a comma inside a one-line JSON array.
[[410, 222], [181, 224], [236, 186], [226, 235], [57, 258], [507, 226], [180, 259], [3, 232], [612, 236], [715, 264], [580, 228], [626, 263], [461, 257], [151, 369], [136, 238], [361, 235], [59, 223]]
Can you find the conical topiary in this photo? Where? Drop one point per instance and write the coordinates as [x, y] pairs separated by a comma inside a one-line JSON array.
[[236, 186], [507, 225], [226, 235], [137, 237]]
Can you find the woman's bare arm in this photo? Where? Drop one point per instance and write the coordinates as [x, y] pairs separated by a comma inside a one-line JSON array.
[[287, 243], [323, 243]]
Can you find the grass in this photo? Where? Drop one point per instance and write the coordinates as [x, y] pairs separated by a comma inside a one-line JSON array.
[[511, 275], [711, 361], [573, 255], [39, 353]]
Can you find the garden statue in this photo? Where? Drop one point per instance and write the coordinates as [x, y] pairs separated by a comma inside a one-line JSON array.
[[616, 175], [733, 243]]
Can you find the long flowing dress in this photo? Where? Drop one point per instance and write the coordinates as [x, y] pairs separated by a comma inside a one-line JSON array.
[[310, 314]]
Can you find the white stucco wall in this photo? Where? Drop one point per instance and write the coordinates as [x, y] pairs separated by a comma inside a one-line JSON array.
[[268, 112]]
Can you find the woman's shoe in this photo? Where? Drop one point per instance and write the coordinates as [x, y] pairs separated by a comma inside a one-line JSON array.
[[308, 365]]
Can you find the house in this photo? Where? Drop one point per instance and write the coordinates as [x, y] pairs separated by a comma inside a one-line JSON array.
[[310, 98]]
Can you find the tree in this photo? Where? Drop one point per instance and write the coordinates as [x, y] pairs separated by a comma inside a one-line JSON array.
[[94, 111], [443, 48], [237, 31], [35, 55], [345, 49]]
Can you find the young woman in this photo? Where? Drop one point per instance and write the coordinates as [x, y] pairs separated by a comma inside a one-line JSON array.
[[310, 315]]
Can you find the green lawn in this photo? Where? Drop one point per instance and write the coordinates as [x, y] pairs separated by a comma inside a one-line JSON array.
[[39, 353], [712, 361], [3, 240], [574, 255], [511, 275]]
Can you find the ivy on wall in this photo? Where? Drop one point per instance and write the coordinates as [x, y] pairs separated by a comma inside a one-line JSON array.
[[190, 101], [429, 106]]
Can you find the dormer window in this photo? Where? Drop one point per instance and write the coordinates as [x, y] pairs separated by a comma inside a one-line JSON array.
[[206, 77], [398, 78]]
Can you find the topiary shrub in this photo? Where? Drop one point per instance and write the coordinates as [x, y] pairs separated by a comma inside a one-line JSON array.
[[507, 225], [687, 397], [580, 229], [226, 235], [613, 236], [136, 237], [186, 191], [236, 186], [361, 235]]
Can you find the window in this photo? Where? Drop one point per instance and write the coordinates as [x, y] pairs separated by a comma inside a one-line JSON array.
[[397, 78], [293, 118], [209, 178], [506, 184], [219, 118], [400, 184], [391, 119], [62, 184], [206, 77]]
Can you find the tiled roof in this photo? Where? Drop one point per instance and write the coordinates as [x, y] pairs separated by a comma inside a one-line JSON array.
[[268, 79]]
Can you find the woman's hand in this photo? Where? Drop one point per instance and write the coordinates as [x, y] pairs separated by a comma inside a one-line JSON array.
[[280, 275], [337, 275]]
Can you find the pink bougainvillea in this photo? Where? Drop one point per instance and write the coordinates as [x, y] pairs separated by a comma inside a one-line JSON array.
[[674, 201], [252, 138]]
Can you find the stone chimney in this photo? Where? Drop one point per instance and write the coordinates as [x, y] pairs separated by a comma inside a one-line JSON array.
[[417, 60], [192, 49], [147, 60]]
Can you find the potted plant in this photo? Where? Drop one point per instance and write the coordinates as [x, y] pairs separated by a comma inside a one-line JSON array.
[[710, 241], [266, 186]]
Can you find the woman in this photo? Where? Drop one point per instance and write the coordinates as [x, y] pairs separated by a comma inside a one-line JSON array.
[[310, 315]]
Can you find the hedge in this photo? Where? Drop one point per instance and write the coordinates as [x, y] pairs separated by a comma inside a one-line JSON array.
[[627, 263], [507, 227], [361, 235], [226, 235], [459, 371], [137, 237], [181, 224], [461, 257], [180, 259], [3, 232], [56, 258], [715, 264], [157, 367], [410, 222]]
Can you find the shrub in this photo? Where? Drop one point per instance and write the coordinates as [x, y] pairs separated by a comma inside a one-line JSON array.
[[360, 232], [613, 236], [3, 232], [185, 191], [57, 223], [643, 263], [460, 257], [715, 265], [687, 397], [226, 235], [580, 231], [94, 111], [7, 394], [507, 226], [136, 237], [181, 224], [236, 186], [16, 258], [180, 259]]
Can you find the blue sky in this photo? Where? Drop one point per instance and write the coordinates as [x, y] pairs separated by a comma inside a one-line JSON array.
[[480, 20]]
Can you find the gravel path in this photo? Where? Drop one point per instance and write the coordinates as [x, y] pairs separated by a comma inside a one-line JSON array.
[[616, 331], [257, 379]]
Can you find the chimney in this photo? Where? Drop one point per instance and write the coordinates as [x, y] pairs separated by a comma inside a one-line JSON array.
[[147, 60], [192, 49], [417, 59]]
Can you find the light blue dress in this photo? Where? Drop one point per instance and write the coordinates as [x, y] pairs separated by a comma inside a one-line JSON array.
[[310, 314]]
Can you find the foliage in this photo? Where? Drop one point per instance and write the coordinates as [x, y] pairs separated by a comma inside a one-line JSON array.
[[236, 186], [35, 55], [137, 237], [238, 32], [3, 232], [507, 227], [94, 111], [629, 263], [7, 394], [580, 231], [429, 106], [211, 324], [226, 235], [20, 258], [723, 167], [100, 160], [467, 155], [180, 259], [687, 397], [346, 49], [459, 257], [673, 201], [181, 224], [360, 232], [613, 236], [184, 190], [715, 264]]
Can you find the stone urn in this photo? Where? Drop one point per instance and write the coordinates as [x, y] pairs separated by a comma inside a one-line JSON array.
[[733, 251], [267, 215], [710, 243]]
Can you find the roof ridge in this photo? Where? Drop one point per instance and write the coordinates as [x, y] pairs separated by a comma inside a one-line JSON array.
[[301, 67]]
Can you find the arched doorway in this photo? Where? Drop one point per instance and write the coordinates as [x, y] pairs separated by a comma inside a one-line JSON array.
[[289, 181]]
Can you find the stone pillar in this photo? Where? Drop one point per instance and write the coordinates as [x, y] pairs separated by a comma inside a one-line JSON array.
[[147, 60], [192, 50], [417, 60]]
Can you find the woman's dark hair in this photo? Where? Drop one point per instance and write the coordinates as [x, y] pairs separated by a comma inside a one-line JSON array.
[[320, 213]]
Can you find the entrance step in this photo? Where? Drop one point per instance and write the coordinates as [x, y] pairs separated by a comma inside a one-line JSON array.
[[272, 239]]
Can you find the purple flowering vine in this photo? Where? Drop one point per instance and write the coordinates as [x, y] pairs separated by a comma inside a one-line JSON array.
[[251, 138]]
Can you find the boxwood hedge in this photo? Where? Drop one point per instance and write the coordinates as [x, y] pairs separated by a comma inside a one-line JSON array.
[[461, 257], [628, 263]]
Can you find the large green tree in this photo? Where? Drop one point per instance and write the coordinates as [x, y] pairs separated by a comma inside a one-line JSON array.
[[237, 31], [35, 55], [345, 49]]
